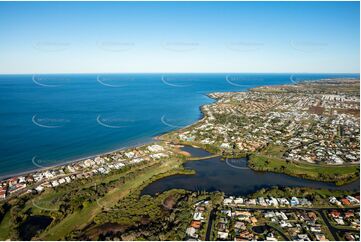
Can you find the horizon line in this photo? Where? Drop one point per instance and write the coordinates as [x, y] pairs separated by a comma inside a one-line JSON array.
[[139, 73]]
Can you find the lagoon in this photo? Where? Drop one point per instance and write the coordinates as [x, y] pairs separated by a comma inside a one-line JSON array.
[[47, 120], [233, 177]]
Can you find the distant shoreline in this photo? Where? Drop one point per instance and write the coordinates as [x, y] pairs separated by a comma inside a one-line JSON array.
[[5, 177], [156, 138], [318, 81], [153, 139]]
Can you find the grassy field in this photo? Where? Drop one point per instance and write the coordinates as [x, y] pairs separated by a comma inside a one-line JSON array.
[[79, 219], [269, 160], [5, 227], [47, 201]]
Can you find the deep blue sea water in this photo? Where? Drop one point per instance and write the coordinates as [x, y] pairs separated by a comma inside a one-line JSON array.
[[51, 119]]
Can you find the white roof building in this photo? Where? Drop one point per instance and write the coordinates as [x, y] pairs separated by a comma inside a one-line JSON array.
[[155, 148]]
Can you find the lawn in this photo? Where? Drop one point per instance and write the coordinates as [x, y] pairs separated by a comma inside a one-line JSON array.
[[80, 219], [47, 201], [270, 160], [5, 227]]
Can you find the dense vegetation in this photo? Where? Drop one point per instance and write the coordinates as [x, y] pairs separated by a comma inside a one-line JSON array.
[[163, 217], [73, 206], [326, 173]]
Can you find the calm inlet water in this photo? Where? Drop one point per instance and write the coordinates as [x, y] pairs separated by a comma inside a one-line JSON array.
[[233, 177], [34, 225], [49, 119], [195, 152]]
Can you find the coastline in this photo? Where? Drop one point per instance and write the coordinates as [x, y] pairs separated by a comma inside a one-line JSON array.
[[159, 138], [337, 182], [201, 118], [152, 140], [5, 177]]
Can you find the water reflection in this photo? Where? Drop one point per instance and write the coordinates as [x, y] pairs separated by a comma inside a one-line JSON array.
[[33, 225], [215, 174]]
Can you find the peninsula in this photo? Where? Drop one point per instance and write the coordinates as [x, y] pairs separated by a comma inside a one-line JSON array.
[[308, 130]]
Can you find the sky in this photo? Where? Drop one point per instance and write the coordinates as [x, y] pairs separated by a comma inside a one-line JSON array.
[[164, 37]]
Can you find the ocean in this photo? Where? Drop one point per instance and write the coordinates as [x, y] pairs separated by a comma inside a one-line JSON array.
[[51, 119]]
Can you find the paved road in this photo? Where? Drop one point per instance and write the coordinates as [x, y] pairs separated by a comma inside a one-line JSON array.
[[279, 231], [330, 227], [212, 217], [302, 208], [334, 231]]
